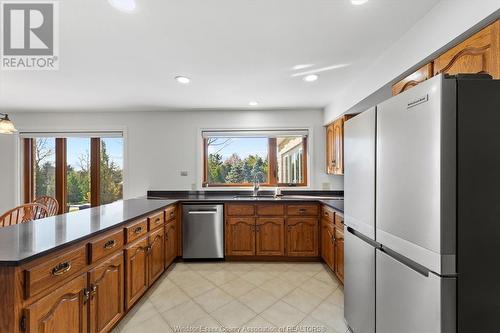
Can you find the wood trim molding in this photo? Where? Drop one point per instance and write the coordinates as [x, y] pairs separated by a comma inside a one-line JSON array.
[[272, 172], [61, 174], [27, 170], [95, 171]]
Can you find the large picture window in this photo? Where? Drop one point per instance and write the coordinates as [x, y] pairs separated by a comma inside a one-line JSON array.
[[239, 158], [80, 170]]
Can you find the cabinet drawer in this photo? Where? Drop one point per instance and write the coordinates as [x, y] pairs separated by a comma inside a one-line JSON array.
[[240, 209], [339, 220], [302, 210], [328, 213], [136, 230], [170, 213], [156, 221], [49, 273], [270, 209], [106, 245]]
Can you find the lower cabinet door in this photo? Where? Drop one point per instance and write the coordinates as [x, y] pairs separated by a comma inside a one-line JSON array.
[[106, 294], [302, 236], [240, 236], [270, 236], [327, 242], [339, 254], [62, 311], [170, 242], [136, 271], [156, 258]]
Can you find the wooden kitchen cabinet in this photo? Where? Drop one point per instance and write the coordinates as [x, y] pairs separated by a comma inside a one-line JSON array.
[[422, 74], [240, 236], [136, 263], [327, 243], [335, 146], [106, 285], [63, 310], [478, 54], [270, 236], [156, 255], [302, 236], [339, 254], [170, 242]]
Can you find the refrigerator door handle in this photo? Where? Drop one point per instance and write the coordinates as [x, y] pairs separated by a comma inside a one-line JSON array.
[[364, 238], [405, 261]]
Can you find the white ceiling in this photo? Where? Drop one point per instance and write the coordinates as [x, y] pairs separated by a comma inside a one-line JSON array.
[[235, 51]]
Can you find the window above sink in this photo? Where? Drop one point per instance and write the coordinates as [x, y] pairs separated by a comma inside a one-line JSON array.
[[240, 158]]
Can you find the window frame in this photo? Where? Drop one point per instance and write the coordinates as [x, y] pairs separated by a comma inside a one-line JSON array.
[[61, 171], [272, 176]]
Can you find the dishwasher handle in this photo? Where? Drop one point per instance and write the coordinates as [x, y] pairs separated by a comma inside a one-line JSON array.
[[195, 212]]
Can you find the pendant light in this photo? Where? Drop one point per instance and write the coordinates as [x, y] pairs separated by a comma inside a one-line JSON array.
[[6, 126]]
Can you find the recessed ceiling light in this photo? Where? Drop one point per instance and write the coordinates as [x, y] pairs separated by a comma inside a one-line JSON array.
[[182, 79], [123, 5], [253, 103], [302, 66], [358, 2], [311, 78]]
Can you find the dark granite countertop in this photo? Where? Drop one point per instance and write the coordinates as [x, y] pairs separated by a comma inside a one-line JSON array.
[[26, 241], [338, 205]]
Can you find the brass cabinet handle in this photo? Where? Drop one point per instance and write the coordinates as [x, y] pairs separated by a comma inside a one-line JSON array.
[[148, 249], [302, 210], [138, 230], [157, 220], [86, 295], [110, 244], [61, 268], [93, 291], [171, 214]]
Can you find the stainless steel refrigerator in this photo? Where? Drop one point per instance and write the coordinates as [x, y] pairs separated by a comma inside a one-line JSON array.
[[359, 221], [437, 206]]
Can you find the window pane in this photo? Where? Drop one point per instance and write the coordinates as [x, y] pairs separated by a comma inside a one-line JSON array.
[[111, 169], [78, 173], [44, 167], [290, 152], [237, 160]]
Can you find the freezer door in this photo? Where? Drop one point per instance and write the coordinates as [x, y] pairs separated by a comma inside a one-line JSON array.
[[411, 302], [359, 174], [359, 284], [415, 177]]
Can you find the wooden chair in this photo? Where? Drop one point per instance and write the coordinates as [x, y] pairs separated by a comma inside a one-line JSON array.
[[24, 213], [49, 202]]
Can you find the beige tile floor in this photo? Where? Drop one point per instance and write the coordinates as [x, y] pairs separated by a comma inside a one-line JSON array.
[[229, 297]]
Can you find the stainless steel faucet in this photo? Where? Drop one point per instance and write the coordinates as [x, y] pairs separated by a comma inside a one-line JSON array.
[[256, 187]]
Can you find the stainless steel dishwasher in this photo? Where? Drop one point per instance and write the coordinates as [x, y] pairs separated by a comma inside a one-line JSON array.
[[202, 231]]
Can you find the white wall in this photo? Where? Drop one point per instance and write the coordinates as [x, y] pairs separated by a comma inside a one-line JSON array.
[[443, 25], [160, 144]]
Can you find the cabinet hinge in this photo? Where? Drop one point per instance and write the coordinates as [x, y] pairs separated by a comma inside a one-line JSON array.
[[23, 323]]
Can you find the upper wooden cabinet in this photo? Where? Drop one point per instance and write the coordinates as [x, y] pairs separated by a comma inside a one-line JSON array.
[[335, 146], [477, 54], [413, 79]]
